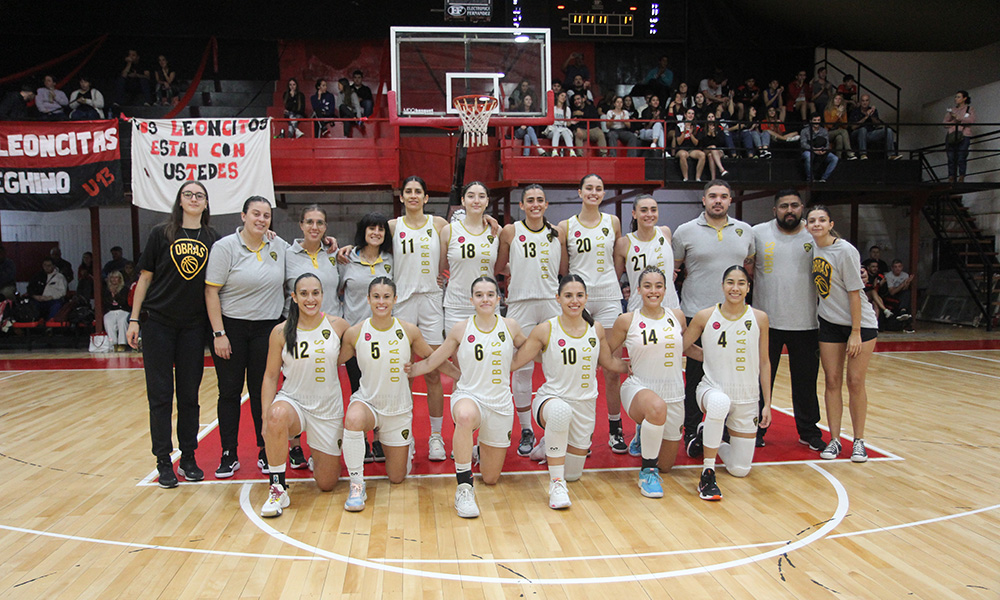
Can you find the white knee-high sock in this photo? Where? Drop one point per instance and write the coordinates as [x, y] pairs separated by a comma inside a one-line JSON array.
[[354, 454]]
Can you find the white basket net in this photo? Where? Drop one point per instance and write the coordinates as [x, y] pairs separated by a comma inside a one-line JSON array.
[[476, 111]]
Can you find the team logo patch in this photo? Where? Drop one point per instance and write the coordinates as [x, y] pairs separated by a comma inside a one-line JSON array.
[[739, 232], [755, 421], [593, 342], [604, 230], [576, 234], [562, 343], [189, 256], [489, 238], [399, 333], [461, 239], [748, 323], [428, 233], [274, 256], [502, 336], [508, 436], [333, 260], [821, 276], [550, 236], [716, 325], [671, 321], [387, 268], [808, 246], [521, 238], [406, 434], [642, 324], [340, 443], [662, 241], [368, 337], [472, 338], [326, 334]]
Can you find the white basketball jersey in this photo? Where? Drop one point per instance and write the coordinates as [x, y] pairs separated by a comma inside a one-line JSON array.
[[470, 256], [381, 356], [310, 370], [657, 252], [570, 364], [416, 256], [732, 355], [485, 358], [654, 348], [534, 264], [591, 256]]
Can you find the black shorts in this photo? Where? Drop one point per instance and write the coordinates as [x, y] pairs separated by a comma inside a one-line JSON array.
[[832, 333]]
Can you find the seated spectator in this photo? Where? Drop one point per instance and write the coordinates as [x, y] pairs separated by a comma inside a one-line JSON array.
[[166, 82], [868, 127], [527, 133], [746, 95], [773, 96], [64, 266], [8, 276], [875, 253], [557, 87], [815, 143], [85, 277], [516, 101], [128, 273], [582, 88], [294, 107], [117, 262], [618, 129], [86, 103], [774, 125], [835, 118], [711, 137], [324, 107], [874, 289], [116, 309], [133, 79], [686, 146], [676, 108], [898, 298], [959, 120], [712, 88], [701, 107], [849, 90], [657, 82], [724, 112], [365, 97], [573, 66], [47, 289], [349, 106], [585, 126], [687, 99], [799, 98], [559, 131], [629, 104], [754, 139], [14, 106], [822, 90], [52, 104], [652, 128], [607, 101]]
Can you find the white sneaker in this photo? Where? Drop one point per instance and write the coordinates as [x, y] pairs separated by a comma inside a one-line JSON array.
[[465, 501], [435, 447], [538, 452], [558, 494], [277, 500], [356, 497]]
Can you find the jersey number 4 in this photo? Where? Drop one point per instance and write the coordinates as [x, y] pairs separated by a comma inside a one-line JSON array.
[[722, 339]]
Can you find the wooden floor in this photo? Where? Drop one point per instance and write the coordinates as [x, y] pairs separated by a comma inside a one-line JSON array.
[[76, 522]]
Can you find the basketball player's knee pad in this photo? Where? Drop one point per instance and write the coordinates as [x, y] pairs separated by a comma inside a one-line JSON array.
[[521, 386], [574, 466], [739, 456], [557, 415], [716, 409]]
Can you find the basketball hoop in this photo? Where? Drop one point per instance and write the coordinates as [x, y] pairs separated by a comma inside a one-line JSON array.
[[476, 111]]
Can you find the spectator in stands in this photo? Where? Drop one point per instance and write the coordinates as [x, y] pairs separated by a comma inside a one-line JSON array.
[[701, 107], [114, 302], [86, 103], [128, 273], [527, 133], [653, 126], [294, 107], [958, 119], [712, 88], [799, 98], [773, 95], [875, 253], [815, 143], [874, 288], [711, 138], [14, 106], [868, 127], [686, 146], [746, 95], [572, 67], [516, 101], [754, 139], [559, 130], [349, 105], [48, 289], [580, 87], [365, 97], [724, 112], [686, 99], [629, 104], [166, 81], [898, 283], [607, 101], [324, 107], [117, 262], [585, 126], [822, 90], [133, 79], [52, 103], [848, 89], [8, 276], [618, 128], [658, 81], [85, 276], [557, 87], [676, 108], [835, 118], [774, 125], [63, 265]]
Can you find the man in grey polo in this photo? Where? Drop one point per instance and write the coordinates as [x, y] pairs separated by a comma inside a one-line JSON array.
[[783, 288], [707, 246]]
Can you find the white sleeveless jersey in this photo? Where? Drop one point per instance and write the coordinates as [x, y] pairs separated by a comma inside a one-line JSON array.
[[657, 252], [485, 358], [591, 256], [469, 257], [310, 370], [732, 355], [570, 364], [381, 356], [534, 264], [416, 257], [654, 348]]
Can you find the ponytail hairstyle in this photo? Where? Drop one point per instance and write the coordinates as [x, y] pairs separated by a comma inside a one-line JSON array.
[[736, 268], [651, 270], [382, 280], [292, 323], [635, 222], [545, 222], [487, 279], [823, 208], [574, 278], [313, 208]]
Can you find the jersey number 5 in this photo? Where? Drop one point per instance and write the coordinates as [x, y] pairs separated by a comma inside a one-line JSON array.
[[375, 351]]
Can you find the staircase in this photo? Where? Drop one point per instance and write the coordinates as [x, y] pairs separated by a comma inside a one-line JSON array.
[[217, 99], [964, 248]]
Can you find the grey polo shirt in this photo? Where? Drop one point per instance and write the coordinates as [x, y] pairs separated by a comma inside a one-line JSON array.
[[355, 277], [782, 277], [250, 282], [323, 265], [707, 253], [837, 271]]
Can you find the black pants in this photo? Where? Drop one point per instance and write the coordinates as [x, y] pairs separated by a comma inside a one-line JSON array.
[[173, 354], [693, 373], [803, 365], [249, 342]]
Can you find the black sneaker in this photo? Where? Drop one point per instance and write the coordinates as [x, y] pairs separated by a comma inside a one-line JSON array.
[[694, 444], [377, 454], [369, 457], [188, 468], [527, 442], [296, 459], [166, 478], [228, 465], [816, 444], [760, 443], [617, 442], [707, 488], [262, 461]]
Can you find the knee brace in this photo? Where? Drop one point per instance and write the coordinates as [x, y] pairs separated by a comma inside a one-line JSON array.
[[557, 415], [717, 407], [574, 466], [521, 385], [738, 455]]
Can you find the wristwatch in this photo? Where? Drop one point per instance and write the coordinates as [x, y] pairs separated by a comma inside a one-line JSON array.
[[219, 333]]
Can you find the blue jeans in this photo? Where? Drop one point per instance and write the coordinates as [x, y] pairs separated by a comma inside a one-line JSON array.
[[529, 136], [753, 139], [861, 136], [830, 159], [958, 155]]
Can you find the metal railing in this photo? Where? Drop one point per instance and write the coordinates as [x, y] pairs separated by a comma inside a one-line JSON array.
[[861, 69]]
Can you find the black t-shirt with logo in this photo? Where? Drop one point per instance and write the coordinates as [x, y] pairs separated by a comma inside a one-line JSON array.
[[176, 296]]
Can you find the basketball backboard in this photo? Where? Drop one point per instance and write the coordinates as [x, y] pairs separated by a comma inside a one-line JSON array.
[[431, 66]]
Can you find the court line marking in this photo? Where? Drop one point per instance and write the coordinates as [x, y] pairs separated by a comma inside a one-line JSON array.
[[916, 523], [937, 366], [13, 376], [843, 436], [838, 516], [953, 353]]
